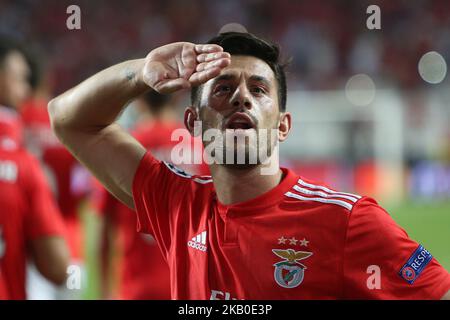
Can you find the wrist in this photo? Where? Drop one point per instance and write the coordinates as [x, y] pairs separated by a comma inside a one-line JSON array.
[[133, 73]]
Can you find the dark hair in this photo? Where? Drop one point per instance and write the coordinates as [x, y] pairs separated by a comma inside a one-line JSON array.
[[155, 101], [237, 43], [7, 46], [34, 60]]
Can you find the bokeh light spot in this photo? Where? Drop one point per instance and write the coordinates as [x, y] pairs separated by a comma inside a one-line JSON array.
[[360, 90], [432, 67]]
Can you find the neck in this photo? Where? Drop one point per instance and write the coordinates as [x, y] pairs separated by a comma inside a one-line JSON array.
[[234, 185]]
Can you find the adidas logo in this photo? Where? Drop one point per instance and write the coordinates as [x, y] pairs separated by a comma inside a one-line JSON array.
[[198, 242]]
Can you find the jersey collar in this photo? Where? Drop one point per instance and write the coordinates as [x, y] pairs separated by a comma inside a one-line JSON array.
[[265, 200]]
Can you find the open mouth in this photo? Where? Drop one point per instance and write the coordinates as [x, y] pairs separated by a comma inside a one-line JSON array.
[[239, 125], [241, 121]]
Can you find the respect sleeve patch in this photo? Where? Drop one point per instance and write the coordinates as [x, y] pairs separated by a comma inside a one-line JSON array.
[[412, 269]]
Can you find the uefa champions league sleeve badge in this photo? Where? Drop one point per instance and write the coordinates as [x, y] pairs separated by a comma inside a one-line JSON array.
[[289, 273], [412, 269]]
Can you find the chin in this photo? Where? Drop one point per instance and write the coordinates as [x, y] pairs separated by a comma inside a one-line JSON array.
[[240, 166]]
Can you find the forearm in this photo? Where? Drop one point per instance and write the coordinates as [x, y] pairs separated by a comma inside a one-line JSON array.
[[83, 119], [51, 256], [96, 102]]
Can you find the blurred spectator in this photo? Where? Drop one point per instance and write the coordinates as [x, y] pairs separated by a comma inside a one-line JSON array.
[[30, 223], [70, 182], [325, 38]]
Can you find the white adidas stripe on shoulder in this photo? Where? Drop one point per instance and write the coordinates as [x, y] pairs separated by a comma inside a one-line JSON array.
[[201, 180], [313, 186], [323, 194], [323, 200], [183, 174]]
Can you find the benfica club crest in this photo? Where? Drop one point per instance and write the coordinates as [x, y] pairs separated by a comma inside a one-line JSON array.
[[289, 273]]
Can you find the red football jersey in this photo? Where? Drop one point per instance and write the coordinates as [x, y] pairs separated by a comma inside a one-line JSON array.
[[300, 240], [27, 212], [10, 128]]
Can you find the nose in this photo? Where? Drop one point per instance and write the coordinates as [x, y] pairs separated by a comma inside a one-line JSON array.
[[241, 97]]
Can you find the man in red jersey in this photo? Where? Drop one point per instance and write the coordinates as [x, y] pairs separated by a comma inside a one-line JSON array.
[[245, 233], [70, 182], [29, 223], [29, 220]]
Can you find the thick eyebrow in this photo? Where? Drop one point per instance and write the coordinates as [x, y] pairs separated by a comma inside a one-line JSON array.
[[261, 79], [223, 77], [255, 78]]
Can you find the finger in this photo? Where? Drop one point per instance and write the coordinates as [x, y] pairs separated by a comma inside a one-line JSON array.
[[220, 63], [203, 76], [206, 57], [170, 86], [207, 48], [188, 59]]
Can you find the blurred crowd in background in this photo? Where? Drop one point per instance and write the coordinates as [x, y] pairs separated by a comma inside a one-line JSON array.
[[325, 44]]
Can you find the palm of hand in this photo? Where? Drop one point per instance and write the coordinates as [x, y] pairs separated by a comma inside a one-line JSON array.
[[181, 65]]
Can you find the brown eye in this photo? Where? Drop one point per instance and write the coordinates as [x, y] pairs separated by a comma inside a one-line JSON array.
[[223, 89], [258, 90]]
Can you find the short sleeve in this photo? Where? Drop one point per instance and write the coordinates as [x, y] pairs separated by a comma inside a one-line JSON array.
[[43, 216], [159, 190], [382, 262]]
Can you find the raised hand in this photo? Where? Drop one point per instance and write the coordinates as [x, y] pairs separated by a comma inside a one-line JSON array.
[[181, 65]]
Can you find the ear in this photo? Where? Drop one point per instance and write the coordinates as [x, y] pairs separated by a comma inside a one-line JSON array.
[[284, 126], [190, 116]]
